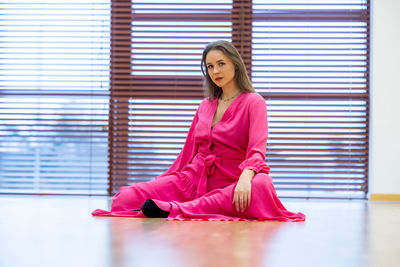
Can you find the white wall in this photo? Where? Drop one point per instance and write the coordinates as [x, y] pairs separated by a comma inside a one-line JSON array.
[[385, 97]]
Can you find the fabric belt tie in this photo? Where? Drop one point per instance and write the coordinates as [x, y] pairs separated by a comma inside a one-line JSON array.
[[209, 168]]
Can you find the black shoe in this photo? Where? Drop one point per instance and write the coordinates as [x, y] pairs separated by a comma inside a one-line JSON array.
[[151, 210]]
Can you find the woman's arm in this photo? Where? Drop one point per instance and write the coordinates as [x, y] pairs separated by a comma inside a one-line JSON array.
[[188, 151], [255, 155], [258, 134]]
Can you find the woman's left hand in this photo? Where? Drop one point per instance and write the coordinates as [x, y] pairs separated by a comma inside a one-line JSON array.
[[242, 193]]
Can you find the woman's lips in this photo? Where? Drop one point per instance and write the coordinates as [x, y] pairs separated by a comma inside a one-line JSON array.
[[218, 79]]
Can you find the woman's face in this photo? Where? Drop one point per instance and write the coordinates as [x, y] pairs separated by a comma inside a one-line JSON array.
[[220, 68]]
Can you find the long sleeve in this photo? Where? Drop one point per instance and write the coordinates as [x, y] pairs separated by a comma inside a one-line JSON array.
[[258, 134], [188, 151]]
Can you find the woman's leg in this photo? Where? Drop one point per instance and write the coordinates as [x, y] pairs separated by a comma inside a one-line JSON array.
[[128, 201], [217, 204]]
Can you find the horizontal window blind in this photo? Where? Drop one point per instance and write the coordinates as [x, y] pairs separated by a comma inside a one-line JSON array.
[[54, 84], [308, 59]]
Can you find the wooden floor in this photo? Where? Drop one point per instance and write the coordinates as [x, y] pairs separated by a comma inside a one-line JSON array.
[[59, 231]]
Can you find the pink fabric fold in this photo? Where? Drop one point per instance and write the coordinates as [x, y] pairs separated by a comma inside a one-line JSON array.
[[255, 165]]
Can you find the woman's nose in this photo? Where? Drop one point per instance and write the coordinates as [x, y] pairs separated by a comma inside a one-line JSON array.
[[216, 70]]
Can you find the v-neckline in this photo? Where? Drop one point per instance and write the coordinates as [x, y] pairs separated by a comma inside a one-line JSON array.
[[225, 112]]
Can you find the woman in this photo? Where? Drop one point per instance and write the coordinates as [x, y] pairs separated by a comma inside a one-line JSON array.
[[221, 173]]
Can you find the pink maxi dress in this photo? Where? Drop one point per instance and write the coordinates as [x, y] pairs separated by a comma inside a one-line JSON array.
[[200, 184]]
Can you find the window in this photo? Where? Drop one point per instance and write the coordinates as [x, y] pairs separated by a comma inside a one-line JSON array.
[[54, 96], [310, 61], [87, 85]]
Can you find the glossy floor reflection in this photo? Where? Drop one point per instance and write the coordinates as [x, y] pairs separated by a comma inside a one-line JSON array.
[[59, 231], [191, 243]]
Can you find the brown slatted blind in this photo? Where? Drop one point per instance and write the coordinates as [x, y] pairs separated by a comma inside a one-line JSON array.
[[54, 96], [308, 59]]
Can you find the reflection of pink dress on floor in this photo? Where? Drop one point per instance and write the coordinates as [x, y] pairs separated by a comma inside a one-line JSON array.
[[200, 183]]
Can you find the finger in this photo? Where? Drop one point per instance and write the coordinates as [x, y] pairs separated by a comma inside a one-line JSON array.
[[236, 202], [245, 201], [241, 203]]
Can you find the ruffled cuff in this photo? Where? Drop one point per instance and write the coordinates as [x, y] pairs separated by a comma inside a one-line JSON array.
[[254, 165]]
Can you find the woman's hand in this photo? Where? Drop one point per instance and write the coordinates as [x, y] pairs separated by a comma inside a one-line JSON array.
[[242, 193]]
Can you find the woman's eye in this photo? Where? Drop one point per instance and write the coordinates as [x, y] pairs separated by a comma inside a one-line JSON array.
[[209, 67], [221, 64]]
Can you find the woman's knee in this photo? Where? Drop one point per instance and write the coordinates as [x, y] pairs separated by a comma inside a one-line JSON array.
[[261, 180]]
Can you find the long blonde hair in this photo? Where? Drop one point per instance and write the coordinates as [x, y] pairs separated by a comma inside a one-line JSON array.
[[211, 90]]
